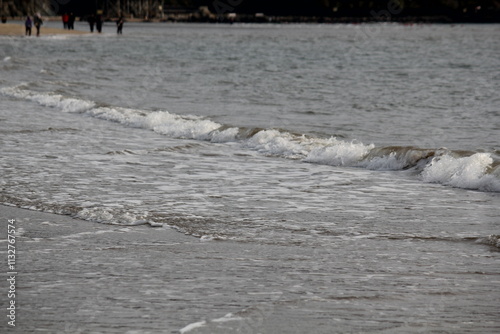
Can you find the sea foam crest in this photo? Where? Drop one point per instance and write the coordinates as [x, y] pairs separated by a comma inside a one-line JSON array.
[[180, 127], [49, 100], [338, 153], [465, 172], [163, 122], [492, 240], [314, 150], [274, 142], [473, 172]]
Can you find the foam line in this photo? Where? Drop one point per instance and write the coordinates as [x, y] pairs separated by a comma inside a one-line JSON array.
[[469, 170]]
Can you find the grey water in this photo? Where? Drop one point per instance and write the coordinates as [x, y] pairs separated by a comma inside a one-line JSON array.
[[357, 163]]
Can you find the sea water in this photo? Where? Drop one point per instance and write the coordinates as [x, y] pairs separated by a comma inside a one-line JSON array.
[[370, 152]]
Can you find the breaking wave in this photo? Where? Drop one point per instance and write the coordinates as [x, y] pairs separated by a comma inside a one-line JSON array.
[[467, 170]]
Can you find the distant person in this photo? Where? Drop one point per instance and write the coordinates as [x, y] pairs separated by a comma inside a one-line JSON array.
[[38, 23], [91, 20], [119, 25], [28, 24], [4, 19], [71, 21], [65, 20], [98, 23]]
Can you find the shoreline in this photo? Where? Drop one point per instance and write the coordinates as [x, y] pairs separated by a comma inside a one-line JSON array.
[[264, 19], [69, 271], [15, 29], [76, 276]]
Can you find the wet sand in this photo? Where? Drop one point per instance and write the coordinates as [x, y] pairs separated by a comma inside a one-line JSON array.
[[75, 276], [12, 29]]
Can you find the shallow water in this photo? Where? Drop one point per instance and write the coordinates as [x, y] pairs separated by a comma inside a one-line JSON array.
[[366, 154]]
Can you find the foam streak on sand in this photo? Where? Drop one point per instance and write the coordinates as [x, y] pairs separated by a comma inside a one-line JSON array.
[[192, 326]]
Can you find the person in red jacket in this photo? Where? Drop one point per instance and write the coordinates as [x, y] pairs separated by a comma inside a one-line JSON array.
[[65, 19]]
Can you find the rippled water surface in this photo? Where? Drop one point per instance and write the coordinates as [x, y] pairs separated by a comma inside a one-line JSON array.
[[358, 163]]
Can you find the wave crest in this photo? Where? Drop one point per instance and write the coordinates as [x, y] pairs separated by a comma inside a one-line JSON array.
[[339, 153], [469, 170], [464, 172]]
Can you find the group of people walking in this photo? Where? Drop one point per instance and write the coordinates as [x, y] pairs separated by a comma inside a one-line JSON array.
[[96, 20], [69, 23], [37, 22]]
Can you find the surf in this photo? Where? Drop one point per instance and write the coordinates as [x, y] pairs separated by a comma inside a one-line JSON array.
[[459, 169]]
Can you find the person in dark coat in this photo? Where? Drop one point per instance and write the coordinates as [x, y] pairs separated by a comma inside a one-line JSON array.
[[119, 24], [91, 20], [98, 23], [37, 20], [71, 21], [28, 24]]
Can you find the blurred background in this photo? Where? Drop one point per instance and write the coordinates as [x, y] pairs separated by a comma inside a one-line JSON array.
[[266, 11]]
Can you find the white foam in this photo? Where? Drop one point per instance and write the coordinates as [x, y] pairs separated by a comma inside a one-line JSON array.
[[139, 222], [192, 326], [95, 214], [228, 317], [314, 150], [119, 115], [109, 216], [180, 127], [467, 172], [493, 240], [49, 100], [339, 153], [163, 122], [278, 143], [270, 142]]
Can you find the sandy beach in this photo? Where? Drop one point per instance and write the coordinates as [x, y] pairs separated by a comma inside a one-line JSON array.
[[12, 29]]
